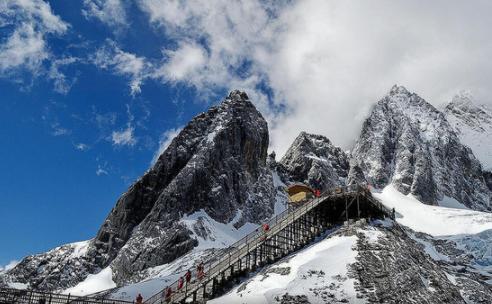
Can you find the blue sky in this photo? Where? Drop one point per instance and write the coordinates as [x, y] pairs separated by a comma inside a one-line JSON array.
[[62, 171], [92, 90]]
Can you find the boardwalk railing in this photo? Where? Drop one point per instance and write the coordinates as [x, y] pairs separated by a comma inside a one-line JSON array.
[[16, 296], [220, 262]]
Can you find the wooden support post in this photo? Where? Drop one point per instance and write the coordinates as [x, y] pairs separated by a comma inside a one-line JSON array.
[[346, 210], [214, 286], [358, 207]]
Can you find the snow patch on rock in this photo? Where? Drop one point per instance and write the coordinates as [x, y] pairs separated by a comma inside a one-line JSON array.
[[93, 283]]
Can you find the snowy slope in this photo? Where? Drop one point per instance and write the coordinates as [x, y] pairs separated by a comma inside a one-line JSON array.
[[360, 263], [312, 273], [473, 124], [433, 220], [93, 283]]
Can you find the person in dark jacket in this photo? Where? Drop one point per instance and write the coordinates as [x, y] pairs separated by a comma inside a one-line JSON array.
[[188, 276]]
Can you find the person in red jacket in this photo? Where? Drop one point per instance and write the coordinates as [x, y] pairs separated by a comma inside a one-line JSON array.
[[169, 293], [180, 283], [139, 299], [200, 271]]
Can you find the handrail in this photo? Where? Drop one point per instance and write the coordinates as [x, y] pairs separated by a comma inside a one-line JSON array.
[[28, 296], [251, 241]]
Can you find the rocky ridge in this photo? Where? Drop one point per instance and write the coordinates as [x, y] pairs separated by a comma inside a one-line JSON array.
[[314, 160]]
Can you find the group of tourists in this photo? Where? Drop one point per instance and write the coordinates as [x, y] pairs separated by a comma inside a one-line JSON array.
[[168, 291]]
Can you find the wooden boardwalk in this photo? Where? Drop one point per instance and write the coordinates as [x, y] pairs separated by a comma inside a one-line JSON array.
[[289, 231]]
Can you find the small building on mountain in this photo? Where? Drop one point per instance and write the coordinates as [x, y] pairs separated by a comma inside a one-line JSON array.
[[299, 193]]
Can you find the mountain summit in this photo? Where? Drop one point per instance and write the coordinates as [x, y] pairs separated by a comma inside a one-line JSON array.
[[407, 142], [216, 165], [473, 124]]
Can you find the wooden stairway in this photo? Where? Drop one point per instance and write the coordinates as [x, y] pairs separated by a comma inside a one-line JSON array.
[[289, 231]]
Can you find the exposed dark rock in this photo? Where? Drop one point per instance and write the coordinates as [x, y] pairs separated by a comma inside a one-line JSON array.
[[293, 299], [488, 179], [315, 161], [395, 269]]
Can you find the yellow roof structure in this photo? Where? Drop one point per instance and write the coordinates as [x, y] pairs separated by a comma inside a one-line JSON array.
[[299, 192]]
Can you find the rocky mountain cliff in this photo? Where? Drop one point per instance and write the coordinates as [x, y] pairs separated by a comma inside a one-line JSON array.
[[409, 143], [217, 164], [315, 161]]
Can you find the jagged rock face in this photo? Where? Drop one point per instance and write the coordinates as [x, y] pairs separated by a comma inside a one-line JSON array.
[[394, 268], [473, 124], [408, 142], [216, 164], [315, 161], [488, 179]]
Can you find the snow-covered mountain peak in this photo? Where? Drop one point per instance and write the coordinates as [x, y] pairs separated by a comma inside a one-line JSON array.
[[237, 96], [473, 124], [463, 97], [407, 142], [464, 105], [398, 90]]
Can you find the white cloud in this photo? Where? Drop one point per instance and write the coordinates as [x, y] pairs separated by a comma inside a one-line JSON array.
[[25, 46], [124, 137], [231, 32], [111, 57], [81, 147], [164, 142], [182, 63], [326, 62], [9, 266], [58, 130], [100, 171], [109, 12], [61, 84]]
